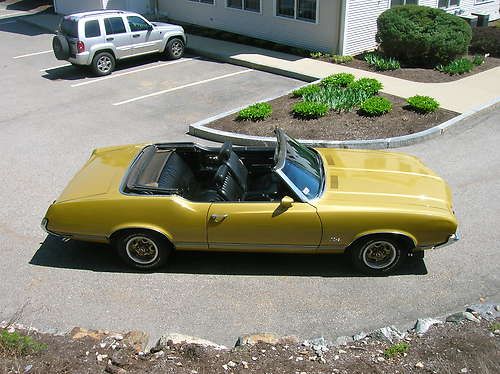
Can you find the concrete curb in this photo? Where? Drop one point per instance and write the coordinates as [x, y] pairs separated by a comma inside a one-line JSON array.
[[199, 129]]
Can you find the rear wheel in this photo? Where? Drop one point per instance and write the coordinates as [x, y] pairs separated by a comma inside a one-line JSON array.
[[174, 49], [103, 63], [60, 47], [143, 249], [379, 255]]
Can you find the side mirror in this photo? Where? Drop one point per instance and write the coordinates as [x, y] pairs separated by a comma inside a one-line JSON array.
[[286, 202], [150, 27]]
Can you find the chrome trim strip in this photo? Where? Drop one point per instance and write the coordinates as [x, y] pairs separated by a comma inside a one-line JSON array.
[[259, 245]]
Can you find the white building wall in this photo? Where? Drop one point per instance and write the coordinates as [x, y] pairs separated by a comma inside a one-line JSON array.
[[320, 36], [75, 6]]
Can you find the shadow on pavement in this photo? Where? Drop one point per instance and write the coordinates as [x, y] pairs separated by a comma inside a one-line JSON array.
[[23, 28], [102, 258], [27, 5]]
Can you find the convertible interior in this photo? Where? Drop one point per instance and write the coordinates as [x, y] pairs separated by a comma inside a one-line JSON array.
[[207, 174]]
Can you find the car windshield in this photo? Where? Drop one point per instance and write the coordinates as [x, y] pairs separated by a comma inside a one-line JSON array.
[[299, 166]]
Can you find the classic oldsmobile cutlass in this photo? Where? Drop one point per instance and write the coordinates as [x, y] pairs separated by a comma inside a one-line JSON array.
[[147, 200]]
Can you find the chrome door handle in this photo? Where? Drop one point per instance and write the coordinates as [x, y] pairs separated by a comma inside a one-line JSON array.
[[136, 35], [218, 217], [109, 39]]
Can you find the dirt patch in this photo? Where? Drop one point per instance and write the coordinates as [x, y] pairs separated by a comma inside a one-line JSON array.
[[337, 126], [421, 74], [449, 348]]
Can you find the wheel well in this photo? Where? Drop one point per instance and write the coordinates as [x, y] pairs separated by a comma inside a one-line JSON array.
[[110, 51], [176, 37], [403, 239], [114, 236]]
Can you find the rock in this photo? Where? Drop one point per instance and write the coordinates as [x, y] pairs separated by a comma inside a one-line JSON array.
[[117, 337], [343, 340], [497, 307], [137, 339], [460, 317], [496, 332], [101, 357], [225, 367], [389, 334], [464, 370], [27, 368], [252, 339], [111, 369], [341, 351], [11, 330], [419, 365], [80, 333], [423, 325], [336, 357], [487, 311], [118, 359], [359, 336], [159, 354], [231, 364], [245, 364], [179, 338], [288, 340], [380, 359]]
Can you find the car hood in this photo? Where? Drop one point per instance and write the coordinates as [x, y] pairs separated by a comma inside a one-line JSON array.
[[101, 174], [378, 178], [167, 26]]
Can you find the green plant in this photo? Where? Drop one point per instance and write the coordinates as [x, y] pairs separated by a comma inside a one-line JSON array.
[[311, 88], [17, 344], [368, 85], [339, 59], [396, 349], [478, 60], [319, 54], [422, 36], [337, 98], [338, 80], [422, 104], [375, 106], [458, 66], [255, 112], [486, 40], [309, 110], [495, 326], [381, 63]]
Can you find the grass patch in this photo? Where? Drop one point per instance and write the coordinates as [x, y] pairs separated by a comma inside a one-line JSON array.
[[495, 326], [396, 349], [17, 344], [339, 59], [381, 63], [255, 112], [422, 104]]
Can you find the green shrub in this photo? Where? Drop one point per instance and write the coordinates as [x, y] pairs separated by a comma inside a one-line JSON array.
[[311, 88], [17, 344], [495, 326], [255, 112], [486, 40], [478, 60], [422, 36], [396, 349], [381, 63], [458, 66], [338, 80], [368, 85], [309, 110], [337, 98], [375, 106], [319, 54], [339, 59], [422, 104]]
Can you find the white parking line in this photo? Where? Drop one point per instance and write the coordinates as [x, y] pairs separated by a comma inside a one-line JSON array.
[[54, 67], [6, 23], [32, 54], [12, 14], [181, 87], [116, 75]]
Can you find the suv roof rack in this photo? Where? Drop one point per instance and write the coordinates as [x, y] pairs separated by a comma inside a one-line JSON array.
[[97, 12]]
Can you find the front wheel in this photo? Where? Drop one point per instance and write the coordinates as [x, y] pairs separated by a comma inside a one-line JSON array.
[[143, 249], [378, 256], [103, 64], [174, 49]]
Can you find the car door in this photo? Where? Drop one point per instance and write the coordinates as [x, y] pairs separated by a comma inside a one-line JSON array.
[[263, 226], [116, 34], [144, 37]]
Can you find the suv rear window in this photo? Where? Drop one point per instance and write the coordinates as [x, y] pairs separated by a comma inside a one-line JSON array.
[[69, 27], [114, 25], [92, 29]]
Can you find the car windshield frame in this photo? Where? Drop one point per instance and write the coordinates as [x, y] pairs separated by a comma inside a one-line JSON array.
[[290, 151]]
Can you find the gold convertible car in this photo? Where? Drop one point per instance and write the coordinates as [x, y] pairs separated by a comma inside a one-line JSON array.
[[147, 200]]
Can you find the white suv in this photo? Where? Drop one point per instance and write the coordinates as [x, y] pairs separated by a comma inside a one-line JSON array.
[[98, 39]]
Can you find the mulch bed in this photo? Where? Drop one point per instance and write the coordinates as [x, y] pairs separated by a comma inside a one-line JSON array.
[[421, 74], [337, 126], [466, 347]]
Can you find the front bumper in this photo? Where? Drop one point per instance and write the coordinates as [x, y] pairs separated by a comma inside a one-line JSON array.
[[44, 224], [451, 240]]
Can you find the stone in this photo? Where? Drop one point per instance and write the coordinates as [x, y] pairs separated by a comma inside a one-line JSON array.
[[343, 340], [137, 339], [27, 368], [175, 338], [245, 364], [464, 370], [288, 340], [254, 358], [11, 330], [225, 367], [380, 359], [111, 369], [231, 364], [117, 337], [423, 325], [487, 311], [359, 336], [388, 334], [159, 354], [101, 357], [252, 339], [341, 351], [419, 365], [79, 333], [460, 317]]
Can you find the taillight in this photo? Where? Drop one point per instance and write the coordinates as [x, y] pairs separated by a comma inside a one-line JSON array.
[[80, 46]]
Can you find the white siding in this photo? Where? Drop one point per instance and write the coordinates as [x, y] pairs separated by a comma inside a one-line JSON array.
[[75, 6], [320, 36]]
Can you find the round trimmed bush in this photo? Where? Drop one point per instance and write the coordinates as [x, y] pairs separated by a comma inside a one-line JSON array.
[[309, 110], [338, 80], [306, 90], [422, 36], [422, 104], [369, 86], [255, 112], [375, 106]]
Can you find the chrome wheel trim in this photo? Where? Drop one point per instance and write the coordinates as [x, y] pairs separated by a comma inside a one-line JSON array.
[[177, 48], [104, 64], [142, 250], [379, 254]]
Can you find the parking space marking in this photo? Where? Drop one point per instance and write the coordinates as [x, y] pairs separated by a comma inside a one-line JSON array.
[[12, 14], [54, 67], [6, 23], [32, 54], [181, 87], [117, 75]]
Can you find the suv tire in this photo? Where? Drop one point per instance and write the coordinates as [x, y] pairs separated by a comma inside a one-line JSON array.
[[174, 49], [103, 64], [60, 47]]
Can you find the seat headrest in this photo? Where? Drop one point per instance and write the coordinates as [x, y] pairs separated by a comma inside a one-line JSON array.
[[221, 174], [225, 151]]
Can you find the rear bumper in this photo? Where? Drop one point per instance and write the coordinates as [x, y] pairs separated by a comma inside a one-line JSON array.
[[80, 59], [451, 240]]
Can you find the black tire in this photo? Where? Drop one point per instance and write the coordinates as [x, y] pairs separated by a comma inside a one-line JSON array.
[[103, 64], [174, 49], [143, 250], [60, 47], [380, 255]]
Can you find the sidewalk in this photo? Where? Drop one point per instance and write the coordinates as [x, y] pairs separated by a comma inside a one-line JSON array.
[[460, 96]]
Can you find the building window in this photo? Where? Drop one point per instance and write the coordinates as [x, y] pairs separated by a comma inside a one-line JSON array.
[[305, 10], [403, 2], [448, 3], [204, 1], [251, 5]]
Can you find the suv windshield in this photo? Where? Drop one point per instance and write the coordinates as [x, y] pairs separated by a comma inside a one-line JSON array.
[[69, 27]]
